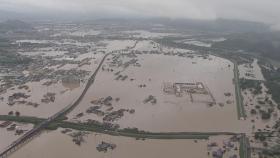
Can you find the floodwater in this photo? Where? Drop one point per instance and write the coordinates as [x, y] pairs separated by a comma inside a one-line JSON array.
[[197, 43], [85, 33], [150, 45], [33, 41], [64, 96], [78, 33], [112, 45], [171, 113], [250, 102], [146, 34], [252, 70], [146, 45], [56, 144], [7, 137], [65, 93], [44, 53], [256, 121], [205, 42]]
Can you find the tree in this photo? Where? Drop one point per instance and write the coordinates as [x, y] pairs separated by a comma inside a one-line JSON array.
[[11, 113], [253, 112], [17, 113]]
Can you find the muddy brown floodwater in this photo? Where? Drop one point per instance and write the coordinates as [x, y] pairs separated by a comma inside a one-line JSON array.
[[60, 145], [170, 113], [7, 136], [252, 70], [65, 93]]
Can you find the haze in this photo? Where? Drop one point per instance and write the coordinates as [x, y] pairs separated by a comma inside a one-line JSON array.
[[253, 10]]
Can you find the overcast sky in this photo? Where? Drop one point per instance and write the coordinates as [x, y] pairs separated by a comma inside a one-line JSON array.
[[254, 10]]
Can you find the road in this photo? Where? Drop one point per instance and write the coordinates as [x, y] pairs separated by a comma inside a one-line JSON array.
[[245, 145], [239, 100], [97, 128], [91, 80]]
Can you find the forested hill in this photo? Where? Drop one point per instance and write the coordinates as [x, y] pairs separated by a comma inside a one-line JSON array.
[[14, 25], [266, 44]]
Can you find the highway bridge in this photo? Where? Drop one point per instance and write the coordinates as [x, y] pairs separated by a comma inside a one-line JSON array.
[[37, 130]]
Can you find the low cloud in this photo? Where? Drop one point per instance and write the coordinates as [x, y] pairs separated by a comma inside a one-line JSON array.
[[254, 10]]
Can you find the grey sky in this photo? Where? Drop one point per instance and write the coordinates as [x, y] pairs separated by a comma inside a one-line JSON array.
[[255, 10]]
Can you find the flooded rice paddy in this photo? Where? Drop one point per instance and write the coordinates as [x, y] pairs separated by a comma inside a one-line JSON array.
[[170, 113]]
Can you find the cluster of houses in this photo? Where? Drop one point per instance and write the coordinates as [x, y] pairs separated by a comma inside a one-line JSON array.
[[10, 126], [49, 97], [16, 96], [104, 146], [219, 150], [150, 99]]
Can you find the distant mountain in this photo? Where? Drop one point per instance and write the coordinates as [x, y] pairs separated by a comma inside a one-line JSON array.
[[6, 15], [219, 25], [266, 44], [14, 25]]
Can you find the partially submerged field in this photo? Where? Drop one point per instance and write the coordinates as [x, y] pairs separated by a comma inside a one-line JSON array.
[[129, 79]]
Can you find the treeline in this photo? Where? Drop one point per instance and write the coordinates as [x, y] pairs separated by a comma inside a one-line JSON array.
[[252, 85], [15, 26], [8, 54], [272, 77], [266, 44]]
